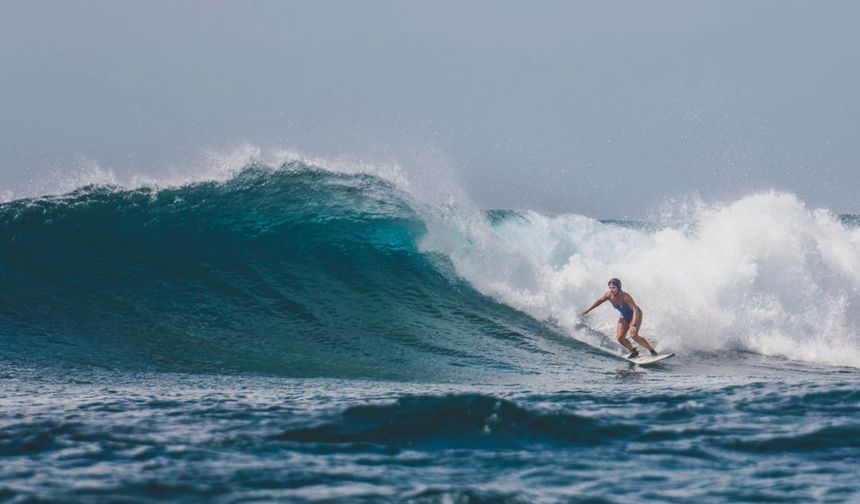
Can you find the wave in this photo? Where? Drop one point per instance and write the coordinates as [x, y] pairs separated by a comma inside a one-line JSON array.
[[302, 272], [477, 421], [295, 271], [462, 421]]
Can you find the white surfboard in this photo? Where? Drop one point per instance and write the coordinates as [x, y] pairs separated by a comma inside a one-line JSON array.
[[608, 346], [645, 360]]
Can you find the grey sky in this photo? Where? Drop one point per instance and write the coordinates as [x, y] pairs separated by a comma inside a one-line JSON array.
[[601, 108]]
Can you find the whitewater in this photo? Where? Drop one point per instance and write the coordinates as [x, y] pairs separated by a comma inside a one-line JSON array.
[[304, 330]]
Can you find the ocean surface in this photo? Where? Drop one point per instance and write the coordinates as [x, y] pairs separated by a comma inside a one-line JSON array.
[[297, 334]]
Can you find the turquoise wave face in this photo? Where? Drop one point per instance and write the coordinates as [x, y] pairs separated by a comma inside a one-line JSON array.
[[295, 271]]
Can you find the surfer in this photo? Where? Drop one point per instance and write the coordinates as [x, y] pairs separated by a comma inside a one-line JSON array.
[[630, 319]]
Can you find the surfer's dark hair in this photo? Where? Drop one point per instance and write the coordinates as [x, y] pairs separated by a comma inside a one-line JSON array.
[[616, 282]]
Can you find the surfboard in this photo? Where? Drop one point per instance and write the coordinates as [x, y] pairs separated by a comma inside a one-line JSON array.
[[601, 341], [646, 360]]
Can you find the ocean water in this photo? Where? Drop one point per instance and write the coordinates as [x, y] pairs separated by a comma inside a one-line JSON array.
[[298, 334]]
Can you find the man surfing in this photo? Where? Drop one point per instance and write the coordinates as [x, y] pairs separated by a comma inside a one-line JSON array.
[[630, 319]]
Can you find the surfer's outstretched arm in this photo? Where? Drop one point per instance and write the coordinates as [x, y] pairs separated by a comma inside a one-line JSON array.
[[597, 303]]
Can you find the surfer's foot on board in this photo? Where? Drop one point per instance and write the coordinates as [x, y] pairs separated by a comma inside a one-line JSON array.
[[633, 354], [653, 352]]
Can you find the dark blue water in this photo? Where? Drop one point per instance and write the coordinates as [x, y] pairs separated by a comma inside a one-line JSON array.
[[284, 336]]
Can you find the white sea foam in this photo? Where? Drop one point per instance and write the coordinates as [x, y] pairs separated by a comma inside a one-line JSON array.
[[764, 274]]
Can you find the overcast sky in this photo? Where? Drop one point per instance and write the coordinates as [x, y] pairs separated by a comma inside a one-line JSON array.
[[602, 108]]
